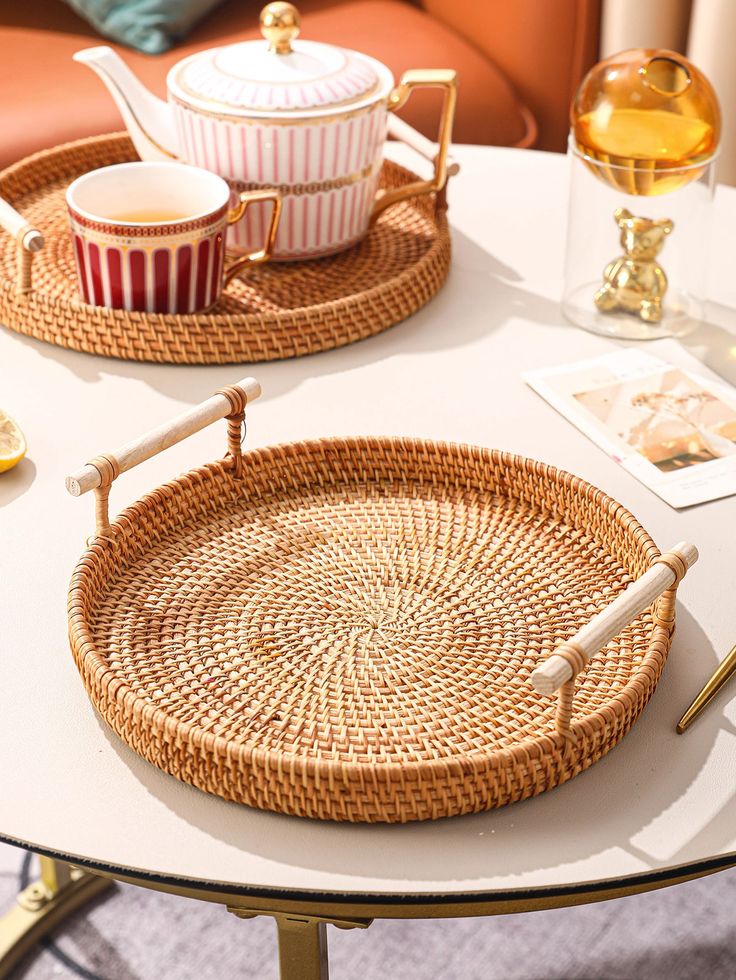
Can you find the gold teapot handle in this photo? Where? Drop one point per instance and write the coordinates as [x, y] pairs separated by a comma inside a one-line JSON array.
[[246, 198], [446, 79]]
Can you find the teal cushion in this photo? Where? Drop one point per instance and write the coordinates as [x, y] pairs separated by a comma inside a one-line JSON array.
[[151, 26]]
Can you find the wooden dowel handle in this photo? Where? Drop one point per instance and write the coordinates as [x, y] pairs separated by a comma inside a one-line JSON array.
[[162, 437], [608, 623], [401, 130], [16, 225]]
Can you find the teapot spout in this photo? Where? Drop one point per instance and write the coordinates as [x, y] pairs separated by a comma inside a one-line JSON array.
[[148, 119]]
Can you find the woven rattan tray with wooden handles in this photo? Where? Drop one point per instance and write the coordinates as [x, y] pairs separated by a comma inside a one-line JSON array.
[[274, 311], [367, 629]]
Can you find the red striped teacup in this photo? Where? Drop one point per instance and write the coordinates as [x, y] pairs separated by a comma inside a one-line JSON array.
[[151, 236]]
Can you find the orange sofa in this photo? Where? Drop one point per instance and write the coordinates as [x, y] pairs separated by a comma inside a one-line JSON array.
[[519, 62]]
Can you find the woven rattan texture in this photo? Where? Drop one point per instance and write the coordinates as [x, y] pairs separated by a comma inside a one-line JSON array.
[[348, 630], [274, 311]]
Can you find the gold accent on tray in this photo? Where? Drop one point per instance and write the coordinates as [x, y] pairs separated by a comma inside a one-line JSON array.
[[367, 629], [720, 677], [283, 310], [635, 282]]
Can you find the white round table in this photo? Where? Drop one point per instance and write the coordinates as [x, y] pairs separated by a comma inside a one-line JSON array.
[[658, 809]]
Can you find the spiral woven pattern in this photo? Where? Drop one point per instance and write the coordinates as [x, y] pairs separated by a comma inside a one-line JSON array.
[[276, 310], [347, 630]]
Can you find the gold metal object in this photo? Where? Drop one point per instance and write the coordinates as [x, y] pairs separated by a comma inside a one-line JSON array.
[[42, 906], [721, 675], [302, 940], [342, 914], [410, 906], [443, 78], [235, 214], [635, 282], [280, 24]]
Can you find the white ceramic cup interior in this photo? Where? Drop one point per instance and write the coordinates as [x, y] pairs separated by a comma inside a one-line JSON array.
[[109, 193]]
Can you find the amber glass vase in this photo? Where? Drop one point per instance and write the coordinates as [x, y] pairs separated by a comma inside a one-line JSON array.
[[644, 135], [651, 115]]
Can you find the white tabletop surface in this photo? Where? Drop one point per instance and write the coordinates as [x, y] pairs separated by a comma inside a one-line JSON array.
[[453, 371]]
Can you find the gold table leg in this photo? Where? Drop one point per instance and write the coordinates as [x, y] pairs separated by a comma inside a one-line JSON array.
[[302, 949], [302, 941], [42, 906]]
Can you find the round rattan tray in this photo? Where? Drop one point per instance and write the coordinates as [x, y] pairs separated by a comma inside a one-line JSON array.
[[348, 629], [276, 310]]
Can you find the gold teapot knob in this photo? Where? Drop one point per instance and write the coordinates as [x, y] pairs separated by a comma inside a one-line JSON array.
[[280, 25]]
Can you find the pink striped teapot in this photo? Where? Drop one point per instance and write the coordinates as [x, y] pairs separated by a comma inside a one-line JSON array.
[[305, 118]]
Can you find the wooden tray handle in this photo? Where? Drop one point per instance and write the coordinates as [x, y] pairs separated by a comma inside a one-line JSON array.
[[659, 583], [99, 474], [28, 239]]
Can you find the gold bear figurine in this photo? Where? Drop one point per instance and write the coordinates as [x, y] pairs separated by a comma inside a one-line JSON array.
[[635, 282]]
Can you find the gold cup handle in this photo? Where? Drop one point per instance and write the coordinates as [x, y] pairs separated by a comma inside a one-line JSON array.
[[246, 198], [446, 79]]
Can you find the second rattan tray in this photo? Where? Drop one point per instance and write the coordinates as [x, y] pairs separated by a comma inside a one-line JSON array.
[[276, 310], [367, 629]]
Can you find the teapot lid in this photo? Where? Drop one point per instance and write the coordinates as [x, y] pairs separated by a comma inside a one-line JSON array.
[[279, 75]]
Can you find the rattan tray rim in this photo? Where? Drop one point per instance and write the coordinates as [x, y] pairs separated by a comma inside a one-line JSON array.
[[365, 313], [528, 750]]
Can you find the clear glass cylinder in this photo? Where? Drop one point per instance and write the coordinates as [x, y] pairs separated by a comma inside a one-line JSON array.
[[644, 276]]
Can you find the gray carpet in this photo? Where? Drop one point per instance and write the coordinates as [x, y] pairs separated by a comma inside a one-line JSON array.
[[680, 933]]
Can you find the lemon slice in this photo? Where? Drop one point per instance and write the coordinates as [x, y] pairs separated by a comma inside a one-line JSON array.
[[12, 443]]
